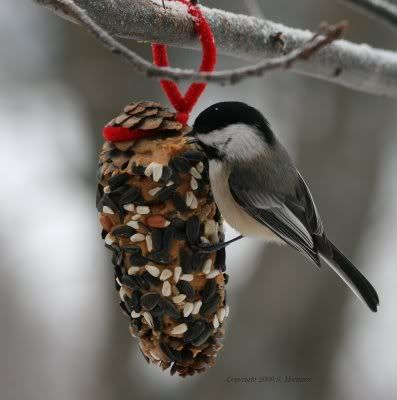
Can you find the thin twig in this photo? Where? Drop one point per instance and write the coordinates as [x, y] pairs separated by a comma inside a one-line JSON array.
[[329, 34], [379, 9]]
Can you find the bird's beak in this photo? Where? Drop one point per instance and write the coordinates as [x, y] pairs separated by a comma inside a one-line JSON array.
[[191, 137]]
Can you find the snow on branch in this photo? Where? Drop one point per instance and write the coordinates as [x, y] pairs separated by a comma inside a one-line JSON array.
[[360, 67], [380, 9]]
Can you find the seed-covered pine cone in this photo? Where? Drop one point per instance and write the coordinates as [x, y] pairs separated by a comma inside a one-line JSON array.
[[158, 215]]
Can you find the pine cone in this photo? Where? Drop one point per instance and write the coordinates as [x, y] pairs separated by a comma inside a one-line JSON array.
[[158, 214]]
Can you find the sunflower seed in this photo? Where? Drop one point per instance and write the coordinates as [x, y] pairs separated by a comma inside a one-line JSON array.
[[203, 337], [179, 329], [118, 180], [154, 271], [193, 229], [109, 239], [186, 277], [193, 171], [124, 308], [213, 274], [148, 318], [221, 313], [142, 283], [179, 202], [166, 289], [138, 261], [136, 251], [136, 300], [187, 309], [135, 314], [197, 261], [158, 323], [165, 193], [133, 270], [152, 280], [130, 281], [122, 292], [133, 224], [189, 198], [166, 174], [107, 210], [150, 300], [168, 236], [220, 259], [178, 299], [194, 203], [194, 331], [187, 289], [210, 305], [215, 322], [149, 169], [149, 243], [138, 170], [165, 274], [157, 238], [138, 237], [177, 273], [124, 231], [226, 310], [193, 183], [209, 290], [136, 217], [196, 307], [169, 308], [207, 266], [154, 191], [181, 164], [143, 210], [129, 196], [169, 183], [193, 155], [186, 261], [159, 257], [157, 171], [172, 354], [129, 207], [200, 167]]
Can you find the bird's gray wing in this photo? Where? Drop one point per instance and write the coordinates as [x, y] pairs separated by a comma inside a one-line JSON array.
[[291, 217]]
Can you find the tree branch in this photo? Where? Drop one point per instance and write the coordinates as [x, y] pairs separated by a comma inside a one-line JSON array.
[[330, 33], [356, 66], [379, 9]]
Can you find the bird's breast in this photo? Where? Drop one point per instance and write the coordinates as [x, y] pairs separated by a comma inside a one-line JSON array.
[[233, 213]]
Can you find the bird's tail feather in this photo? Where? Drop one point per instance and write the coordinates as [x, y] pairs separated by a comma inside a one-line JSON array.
[[357, 282]]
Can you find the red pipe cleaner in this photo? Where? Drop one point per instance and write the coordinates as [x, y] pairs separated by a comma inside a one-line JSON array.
[[182, 104]]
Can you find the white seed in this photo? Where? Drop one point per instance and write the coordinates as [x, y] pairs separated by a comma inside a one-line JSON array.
[[167, 223], [149, 169], [106, 189], [186, 277], [109, 239], [210, 227], [196, 307], [122, 293], [137, 237], [135, 217], [157, 172], [179, 329], [189, 198], [200, 167], [166, 289], [187, 309], [169, 183], [222, 228], [165, 274], [133, 270], [133, 224], [178, 299], [226, 310], [215, 322], [204, 240], [107, 210], [135, 314], [154, 191], [152, 270], [207, 266], [213, 274], [148, 318], [154, 355], [177, 274], [195, 173], [221, 314], [194, 203], [149, 243], [129, 207], [193, 183], [118, 281], [143, 210]]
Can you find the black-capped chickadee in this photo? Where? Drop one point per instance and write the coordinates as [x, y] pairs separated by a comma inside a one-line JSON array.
[[260, 192]]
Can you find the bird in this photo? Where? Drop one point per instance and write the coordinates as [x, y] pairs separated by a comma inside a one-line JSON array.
[[261, 193]]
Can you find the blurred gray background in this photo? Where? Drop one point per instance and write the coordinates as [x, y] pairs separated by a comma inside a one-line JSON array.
[[62, 333]]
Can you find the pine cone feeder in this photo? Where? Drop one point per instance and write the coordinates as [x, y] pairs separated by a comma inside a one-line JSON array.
[[157, 213]]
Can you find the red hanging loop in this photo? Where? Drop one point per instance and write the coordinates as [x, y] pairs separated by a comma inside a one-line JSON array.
[[182, 104]]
